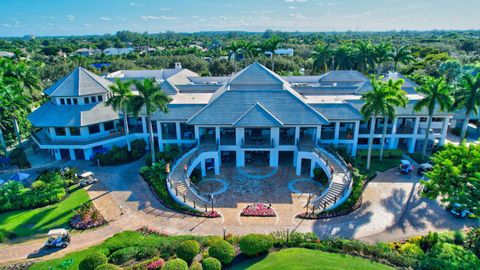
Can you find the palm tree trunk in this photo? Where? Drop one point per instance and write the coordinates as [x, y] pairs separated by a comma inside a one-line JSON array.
[[427, 135], [384, 133], [150, 135], [370, 143], [2, 142], [465, 126], [273, 60], [395, 63], [127, 129], [17, 132]]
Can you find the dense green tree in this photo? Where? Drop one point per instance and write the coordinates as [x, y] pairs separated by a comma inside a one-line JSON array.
[[322, 56], [437, 93], [382, 53], [151, 98], [270, 45], [467, 97], [401, 55], [454, 177]]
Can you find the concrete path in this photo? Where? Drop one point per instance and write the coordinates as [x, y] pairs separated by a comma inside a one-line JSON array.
[[391, 210]]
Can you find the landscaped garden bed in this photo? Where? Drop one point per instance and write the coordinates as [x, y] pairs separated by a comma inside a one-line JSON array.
[[258, 210], [120, 154], [87, 217]]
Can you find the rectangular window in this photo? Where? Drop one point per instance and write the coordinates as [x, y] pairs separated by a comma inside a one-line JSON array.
[[109, 125], [74, 131], [75, 101], [62, 101], [86, 100], [60, 131], [423, 119], [94, 99], [100, 98], [93, 129], [69, 101]]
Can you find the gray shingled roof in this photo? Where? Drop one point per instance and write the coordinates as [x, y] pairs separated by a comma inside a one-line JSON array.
[[79, 82], [231, 105], [178, 112], [343, 76], [257, 116], [408, 110], [338, 111], [256, 74], [51, 115]]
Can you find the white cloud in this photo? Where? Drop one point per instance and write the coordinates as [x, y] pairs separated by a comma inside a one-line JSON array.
[[133, 4], [295, 1], [105, 18], [150, 17], [71, 17], [222, 17], [51, 18], [87, 25], [6, 25], [195, 16], [297, 16], [292, 7], [165, 9]]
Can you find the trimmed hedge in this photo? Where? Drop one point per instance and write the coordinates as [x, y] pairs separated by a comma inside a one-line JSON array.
[[124, 255], [222, 250], [107, 266], [254, 244], [187, 250], [92, 261], [196, 266], [175, 264], [211, 264]]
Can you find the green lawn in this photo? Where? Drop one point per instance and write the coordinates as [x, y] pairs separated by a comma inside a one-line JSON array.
[[75, 258], [376, 165], [304, 259], [35, 221]]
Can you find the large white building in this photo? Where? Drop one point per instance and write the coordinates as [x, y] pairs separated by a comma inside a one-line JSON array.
[[250, 114]]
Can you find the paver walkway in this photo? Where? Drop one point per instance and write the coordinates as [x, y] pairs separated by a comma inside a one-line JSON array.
[[391, 210]]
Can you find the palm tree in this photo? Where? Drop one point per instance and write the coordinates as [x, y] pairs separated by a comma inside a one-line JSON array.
[[382, 53], [150, 96], [122, 95], [434, 91], [235, 48], [382, 100], [322, 54], [270, 45], [251, 49], [365, 53], [401, 55], [468, 97], [344, 56]]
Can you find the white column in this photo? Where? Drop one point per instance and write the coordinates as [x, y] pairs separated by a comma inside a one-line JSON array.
[[88, 153], [297, 134], [416, 125], [355, 138], [274, 158], [159, 137], [275, 135], [298, 169], [240, 154], [318, 135], [197, 133], [411, 146], [312, 166], [217, 162], [144, 125], [179, 133], [337, 132], [202, 166], [72, 154], [444, 130], [391, 145], [57, 154], [217, 134]]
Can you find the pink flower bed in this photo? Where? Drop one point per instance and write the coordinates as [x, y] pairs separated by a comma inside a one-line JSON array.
[[158, 264], [79, 223], [258, 210], [211, 214]]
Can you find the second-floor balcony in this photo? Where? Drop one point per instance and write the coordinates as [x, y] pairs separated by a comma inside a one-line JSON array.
[[258, 142], [43, 139]]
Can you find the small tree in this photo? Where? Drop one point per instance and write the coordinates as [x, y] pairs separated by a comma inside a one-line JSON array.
[[187, 250], [222, 250]]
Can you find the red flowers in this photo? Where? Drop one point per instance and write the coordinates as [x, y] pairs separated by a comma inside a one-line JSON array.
[[258, 210], [211, 214], [158, 264]]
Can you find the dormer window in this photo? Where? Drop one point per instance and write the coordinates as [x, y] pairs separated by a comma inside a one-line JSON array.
[[100, 98], [69, 101], [94, 99], [62, 101], [86, 100], [75, 101]]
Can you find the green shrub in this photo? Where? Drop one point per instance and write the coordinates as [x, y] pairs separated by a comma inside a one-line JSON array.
[[472, 240], [92, 261], [429, 240], [19, 158], [123, 255], [146, 252], [107, 266], [458, 237], [222, 250], [411, 250], [120, 154], [196, 266], [447, 256], [254, 244], [211, 264], [175, 264], [187, 250]]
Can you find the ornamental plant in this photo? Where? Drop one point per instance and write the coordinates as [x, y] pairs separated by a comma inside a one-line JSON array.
[[187, 250], [254, 244], [222, 250]]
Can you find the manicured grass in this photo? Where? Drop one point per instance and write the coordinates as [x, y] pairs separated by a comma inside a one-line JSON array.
[[376, 165], [299, 258], [35, 221], [418, 157], [74, 257]]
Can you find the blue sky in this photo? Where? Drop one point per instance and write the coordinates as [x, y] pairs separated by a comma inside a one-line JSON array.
[[79, 17]]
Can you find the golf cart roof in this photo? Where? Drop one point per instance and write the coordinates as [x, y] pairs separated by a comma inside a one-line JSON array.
[[405, 162], [426, 166], [86, 174], [57, 232]]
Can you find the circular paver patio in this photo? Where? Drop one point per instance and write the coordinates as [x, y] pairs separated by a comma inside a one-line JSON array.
[[213, 186], [304, 186]]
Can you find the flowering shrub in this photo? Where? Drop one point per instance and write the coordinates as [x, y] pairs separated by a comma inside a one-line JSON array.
[[158, 264], [87, 217], [258, 210], [145, 230], [211, 214]]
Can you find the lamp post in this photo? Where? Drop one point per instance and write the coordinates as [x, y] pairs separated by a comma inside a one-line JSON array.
[[224, 233], [288, 233]]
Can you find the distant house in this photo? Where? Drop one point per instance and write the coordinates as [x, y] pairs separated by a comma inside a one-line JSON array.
[[285, 52], [6, 54], [87, 52], [118, 51], [145, 49]]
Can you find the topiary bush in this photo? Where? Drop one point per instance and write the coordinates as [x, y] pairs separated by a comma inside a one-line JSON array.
[[211, 264], [222, 250], [254, 244], [196, 266], [146, 252], [187, 250], [123, 255], [91, 261], [107, 266], [175, 264]]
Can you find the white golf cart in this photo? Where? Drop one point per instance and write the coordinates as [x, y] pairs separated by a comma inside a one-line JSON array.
[[87, 178], [405, 166], [57, 238]]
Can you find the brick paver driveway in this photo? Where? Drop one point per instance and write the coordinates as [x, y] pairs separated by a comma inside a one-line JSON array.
[[391, 210]]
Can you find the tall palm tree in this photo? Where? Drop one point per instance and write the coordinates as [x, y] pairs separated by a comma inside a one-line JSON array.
[[468, 97], [435, 91], [322, 55], [270, 45], [150, 96], [344, 56], [122, 95], [364, 53], [382, 100], [401, 55], [234, 49], [382, 53], [251, 49]]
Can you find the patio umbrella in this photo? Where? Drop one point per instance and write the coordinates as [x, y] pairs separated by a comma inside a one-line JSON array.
[[19, 176], [1, 182]]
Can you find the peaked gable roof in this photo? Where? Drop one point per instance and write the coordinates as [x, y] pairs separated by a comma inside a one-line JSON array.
[[343, 76], [256, 74], [80, 82], [257, 116]]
